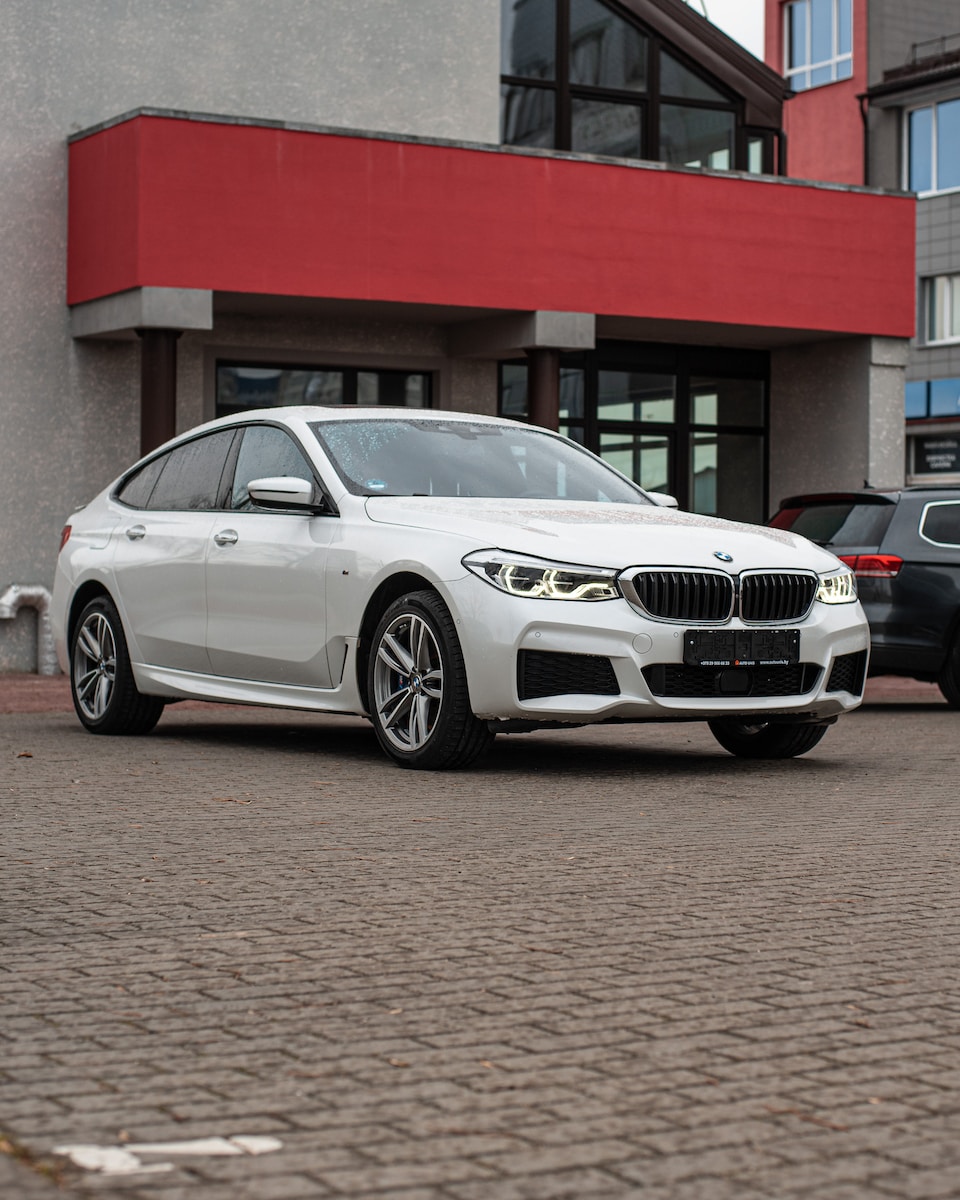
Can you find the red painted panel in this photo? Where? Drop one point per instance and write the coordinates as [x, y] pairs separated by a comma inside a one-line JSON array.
[[256, 209], [823, 124]]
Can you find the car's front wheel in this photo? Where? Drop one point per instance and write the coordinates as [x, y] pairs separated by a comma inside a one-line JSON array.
[[949, 679], [417, 687], [104, 691], [755, 738]]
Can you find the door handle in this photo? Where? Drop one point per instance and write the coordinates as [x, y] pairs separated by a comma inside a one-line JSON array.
[[226, 537], [135, 532]]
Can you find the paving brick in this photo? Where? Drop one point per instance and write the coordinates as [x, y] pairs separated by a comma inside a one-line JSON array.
[[606, 963]]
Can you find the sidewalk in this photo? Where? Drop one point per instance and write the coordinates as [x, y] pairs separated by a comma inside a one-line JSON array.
[[51, 693]]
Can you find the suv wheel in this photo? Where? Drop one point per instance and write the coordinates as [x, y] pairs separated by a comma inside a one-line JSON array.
[[949, 679]]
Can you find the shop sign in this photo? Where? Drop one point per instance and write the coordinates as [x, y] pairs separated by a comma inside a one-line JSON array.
[[936, 455]]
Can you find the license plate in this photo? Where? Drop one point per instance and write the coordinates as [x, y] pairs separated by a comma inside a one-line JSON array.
[[741, 647]]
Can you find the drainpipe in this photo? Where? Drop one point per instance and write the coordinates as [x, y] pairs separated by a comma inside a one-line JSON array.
[[33, 595], [864, 102]]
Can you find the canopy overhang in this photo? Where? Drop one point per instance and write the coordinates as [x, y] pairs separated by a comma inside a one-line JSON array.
[[217, 205]]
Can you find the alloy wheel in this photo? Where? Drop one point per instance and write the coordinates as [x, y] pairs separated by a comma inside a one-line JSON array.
[[94, 666], [408, 682]]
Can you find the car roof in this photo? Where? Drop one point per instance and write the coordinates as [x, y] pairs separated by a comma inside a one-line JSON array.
[[353, 412], [869, 495]]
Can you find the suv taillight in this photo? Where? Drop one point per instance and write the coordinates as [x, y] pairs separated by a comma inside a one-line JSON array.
[[873, 566], [65, 536]]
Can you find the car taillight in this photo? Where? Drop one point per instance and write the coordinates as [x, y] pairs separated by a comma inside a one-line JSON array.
[[873, 566], [65, 536]]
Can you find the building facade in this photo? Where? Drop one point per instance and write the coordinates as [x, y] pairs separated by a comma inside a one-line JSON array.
[[573, 212], [878, 102]]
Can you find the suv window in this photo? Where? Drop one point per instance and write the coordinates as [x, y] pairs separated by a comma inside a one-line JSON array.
[[265, 453], [190, 476], [838, 522], [940, 523]]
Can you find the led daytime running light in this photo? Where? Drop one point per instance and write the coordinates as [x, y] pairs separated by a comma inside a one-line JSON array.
[[838, 589], [538, 580]]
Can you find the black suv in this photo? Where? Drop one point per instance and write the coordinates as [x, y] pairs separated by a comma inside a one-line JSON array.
[[904, 546]]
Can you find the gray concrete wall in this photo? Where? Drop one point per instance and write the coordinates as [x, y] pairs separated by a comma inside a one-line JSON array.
[[69, 410], [938, 253], [836, 415], [894, 25]]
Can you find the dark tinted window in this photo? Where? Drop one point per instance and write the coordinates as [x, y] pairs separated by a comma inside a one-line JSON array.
[[840, 523], [190, 479], [266, 453], [137, 488], [941, 524]]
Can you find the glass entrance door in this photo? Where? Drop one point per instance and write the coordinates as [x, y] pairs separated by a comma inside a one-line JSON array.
[[691, 421]]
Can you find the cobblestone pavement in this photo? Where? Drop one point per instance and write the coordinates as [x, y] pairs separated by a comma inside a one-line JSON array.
[[605, 963]]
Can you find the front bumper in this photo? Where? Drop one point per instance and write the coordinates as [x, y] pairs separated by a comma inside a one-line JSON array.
[[494, 629]]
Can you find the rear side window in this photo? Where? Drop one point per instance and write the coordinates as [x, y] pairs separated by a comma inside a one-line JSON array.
[[137, 488], [838, 523], [190, 478], [940, 523]]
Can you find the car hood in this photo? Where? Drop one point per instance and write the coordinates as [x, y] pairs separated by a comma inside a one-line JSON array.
[[602, 535]]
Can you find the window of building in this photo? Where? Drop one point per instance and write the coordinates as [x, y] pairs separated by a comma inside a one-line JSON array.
[[582, 75], [697, 434], [941, 304], [933, 147], [245, 386], [818, 42], [930, 398]]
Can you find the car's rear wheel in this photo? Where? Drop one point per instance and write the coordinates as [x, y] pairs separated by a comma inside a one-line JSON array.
[[101, 681], [417, 687], [949, 678], [765, 739]]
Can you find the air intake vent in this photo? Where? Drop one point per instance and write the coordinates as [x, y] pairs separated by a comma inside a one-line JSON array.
[[543, 673], [677, 681], [848, 673]]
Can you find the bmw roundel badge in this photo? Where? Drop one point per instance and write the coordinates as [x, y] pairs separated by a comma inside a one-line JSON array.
[[723, 555]]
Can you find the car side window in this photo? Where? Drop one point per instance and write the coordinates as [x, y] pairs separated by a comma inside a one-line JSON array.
[[136, 489], [266, 452], [941, 523], [191, 474]]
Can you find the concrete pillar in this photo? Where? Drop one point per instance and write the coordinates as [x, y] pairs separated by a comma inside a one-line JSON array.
[[837, 415]]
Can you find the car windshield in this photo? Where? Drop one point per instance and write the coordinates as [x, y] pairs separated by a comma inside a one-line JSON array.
[[397, 457], [838, 523]]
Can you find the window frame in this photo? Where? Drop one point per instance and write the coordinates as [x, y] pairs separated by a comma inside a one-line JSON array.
[[685, 364], [790, 74], [923, 520], [648, 103], [950, 312], [350, 372], [932, 107]]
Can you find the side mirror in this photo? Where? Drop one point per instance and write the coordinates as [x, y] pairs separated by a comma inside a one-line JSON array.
[[663, 499], [285, 492]]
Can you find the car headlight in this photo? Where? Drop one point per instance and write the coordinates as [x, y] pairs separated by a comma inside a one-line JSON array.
[[838, 588], [543, 580]]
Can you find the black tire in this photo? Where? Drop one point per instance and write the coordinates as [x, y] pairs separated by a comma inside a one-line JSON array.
[[949, 679], [765, 739], [101, 681], [417, 688]]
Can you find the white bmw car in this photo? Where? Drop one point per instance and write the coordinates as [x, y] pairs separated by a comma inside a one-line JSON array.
[[449, 577]]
